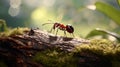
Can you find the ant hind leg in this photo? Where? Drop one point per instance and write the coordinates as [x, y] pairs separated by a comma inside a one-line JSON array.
[[65, 34], [50, 30], [73, 35]]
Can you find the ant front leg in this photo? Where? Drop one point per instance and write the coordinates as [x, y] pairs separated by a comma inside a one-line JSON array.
[[56, 31], [52, 29]]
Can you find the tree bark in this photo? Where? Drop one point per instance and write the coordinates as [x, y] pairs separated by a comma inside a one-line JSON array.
[[17, 50]]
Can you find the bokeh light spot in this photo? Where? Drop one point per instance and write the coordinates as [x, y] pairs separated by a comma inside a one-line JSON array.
[[13, 11], [15, 3], [92, 7]]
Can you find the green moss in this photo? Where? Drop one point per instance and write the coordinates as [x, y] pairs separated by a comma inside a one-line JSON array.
[[101, 47], [15, 31], [3, 25], [104, 48], [55, 58]]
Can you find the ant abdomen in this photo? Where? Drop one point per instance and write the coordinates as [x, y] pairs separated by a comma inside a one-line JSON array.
[[69, 28]]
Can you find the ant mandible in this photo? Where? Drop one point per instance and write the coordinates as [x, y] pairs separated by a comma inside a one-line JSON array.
[[69, 28]]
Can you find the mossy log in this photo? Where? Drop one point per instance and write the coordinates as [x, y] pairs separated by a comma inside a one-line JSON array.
[[18, 50]]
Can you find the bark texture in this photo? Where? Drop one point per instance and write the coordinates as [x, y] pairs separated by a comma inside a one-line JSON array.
[[17, 50]]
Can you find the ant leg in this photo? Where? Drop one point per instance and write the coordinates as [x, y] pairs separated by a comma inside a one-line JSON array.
[[51, 30], [73, 35], [56, 32], [65, 33]]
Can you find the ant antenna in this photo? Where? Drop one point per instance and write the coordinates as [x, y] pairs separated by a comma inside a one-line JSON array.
[[48, 22]]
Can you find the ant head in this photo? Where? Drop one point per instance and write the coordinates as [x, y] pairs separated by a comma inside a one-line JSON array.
[[69, 28], [56, 24]]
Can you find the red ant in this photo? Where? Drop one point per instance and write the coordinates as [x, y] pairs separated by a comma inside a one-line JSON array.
[[69, 28]]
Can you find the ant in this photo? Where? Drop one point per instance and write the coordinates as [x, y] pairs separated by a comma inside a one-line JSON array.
[[69, 28]]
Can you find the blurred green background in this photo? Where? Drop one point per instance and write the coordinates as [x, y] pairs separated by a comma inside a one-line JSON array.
[[80, 13]]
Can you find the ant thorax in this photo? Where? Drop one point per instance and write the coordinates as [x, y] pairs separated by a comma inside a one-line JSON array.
[[62, 27], [59, 26]]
